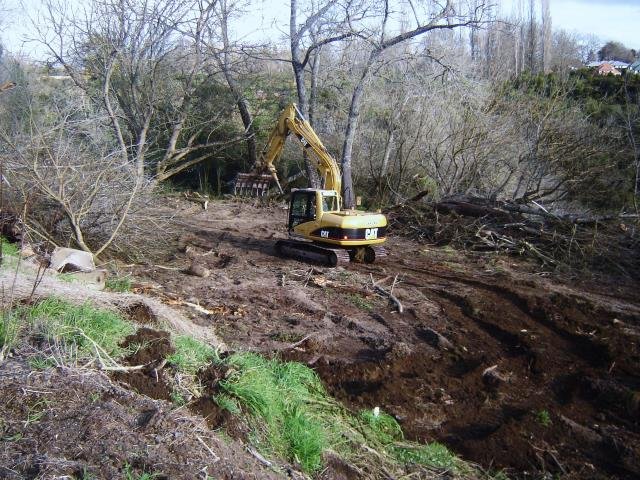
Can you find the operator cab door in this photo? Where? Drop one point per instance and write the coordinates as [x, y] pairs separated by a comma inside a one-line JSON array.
[[302, 208]]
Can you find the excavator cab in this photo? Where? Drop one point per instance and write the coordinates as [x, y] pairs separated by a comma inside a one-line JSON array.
[[302, 207], [309, 204]]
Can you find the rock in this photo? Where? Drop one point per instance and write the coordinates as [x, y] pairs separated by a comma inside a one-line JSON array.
[[492, 377], [198, 270], [71, 260], [96, 279], [434, 338]]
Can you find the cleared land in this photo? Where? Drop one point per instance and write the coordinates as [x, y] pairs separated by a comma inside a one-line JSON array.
[[511, 369], [561, 393]]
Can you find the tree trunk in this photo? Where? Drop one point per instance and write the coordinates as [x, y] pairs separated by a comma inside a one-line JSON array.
[[245, 115], [236, 90], [298, 73], [313, 98], [347, 149], [348, 195]]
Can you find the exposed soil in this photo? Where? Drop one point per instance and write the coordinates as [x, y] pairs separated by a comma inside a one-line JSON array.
[[149, 347], [93, 428], [511, 369]]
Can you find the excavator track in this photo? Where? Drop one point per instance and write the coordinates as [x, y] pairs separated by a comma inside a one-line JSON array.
[[309, 252], [367, 253], [331, 257]]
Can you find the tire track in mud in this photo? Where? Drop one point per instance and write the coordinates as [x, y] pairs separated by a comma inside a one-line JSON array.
[[558, 355]]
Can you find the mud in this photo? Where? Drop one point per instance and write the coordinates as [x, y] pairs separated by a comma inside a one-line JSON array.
[[564, 396], [148, 347], [141, 314]]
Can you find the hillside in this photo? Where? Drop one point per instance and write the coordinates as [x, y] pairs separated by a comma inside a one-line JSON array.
[[515, 371]]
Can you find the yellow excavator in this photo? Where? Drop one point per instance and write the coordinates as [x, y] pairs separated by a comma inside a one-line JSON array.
[[319, 229]]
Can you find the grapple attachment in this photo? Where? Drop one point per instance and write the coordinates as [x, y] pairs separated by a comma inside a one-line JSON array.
[[252, 184]]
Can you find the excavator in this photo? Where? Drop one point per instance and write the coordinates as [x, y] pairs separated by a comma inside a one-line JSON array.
[[319, 229]]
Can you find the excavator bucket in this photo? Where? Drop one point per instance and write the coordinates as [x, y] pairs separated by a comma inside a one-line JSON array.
[[252, 184]]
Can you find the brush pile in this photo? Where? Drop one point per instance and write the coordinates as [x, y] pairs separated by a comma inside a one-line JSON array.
[[608, 244]]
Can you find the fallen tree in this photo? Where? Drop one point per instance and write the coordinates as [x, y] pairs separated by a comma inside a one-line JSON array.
[[560, 241]]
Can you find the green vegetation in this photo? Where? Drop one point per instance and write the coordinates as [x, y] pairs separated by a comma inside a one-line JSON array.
[[118, 284], [544, 418], [82, 325], [360, 302], [191, 355], [40, 362], [227, 403], [289, 412], [129, 474], [293, 417], [434, 454], [9, 329], [9, 249], [36, 411], [178, 399]]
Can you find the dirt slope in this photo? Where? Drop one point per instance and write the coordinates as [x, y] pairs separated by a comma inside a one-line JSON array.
[[93, 428], [562, 389]]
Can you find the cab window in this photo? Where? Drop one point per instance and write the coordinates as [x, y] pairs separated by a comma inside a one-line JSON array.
[[329, 203], [303, 208]]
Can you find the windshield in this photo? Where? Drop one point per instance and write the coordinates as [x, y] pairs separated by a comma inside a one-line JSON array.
[[329, 203]]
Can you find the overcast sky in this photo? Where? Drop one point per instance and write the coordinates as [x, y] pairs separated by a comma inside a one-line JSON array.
[[617, 20], [607, 19]]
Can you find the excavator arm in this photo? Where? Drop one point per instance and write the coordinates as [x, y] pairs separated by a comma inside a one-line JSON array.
[[292, 121]]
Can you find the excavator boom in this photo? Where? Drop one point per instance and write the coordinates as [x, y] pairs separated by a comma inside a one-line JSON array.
[[291, 120]]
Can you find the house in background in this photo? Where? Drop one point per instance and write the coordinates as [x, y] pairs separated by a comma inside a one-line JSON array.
[[613, 67], [607, 69], [635, 67]]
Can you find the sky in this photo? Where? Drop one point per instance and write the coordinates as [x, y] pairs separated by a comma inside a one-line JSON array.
[[617, 20]]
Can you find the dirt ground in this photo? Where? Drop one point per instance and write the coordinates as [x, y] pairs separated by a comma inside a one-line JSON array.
[[95, 428], [512, 369]]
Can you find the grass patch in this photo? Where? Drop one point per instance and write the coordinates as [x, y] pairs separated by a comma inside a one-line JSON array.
[[67, 277], [118, 284], [40, 362], [191, 355], [9, 330], [72, 324], [385, 427], [9, 249], [293, 417], [544, 418], [10, 253], [178, 399], [129, 474], [278, 396], [433, 455], [360, 302], [228, 403]]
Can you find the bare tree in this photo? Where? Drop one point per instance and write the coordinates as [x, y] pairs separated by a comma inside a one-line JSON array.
[[326, 22], [631, 126], [142, 62], [428, 16], [227, 62], [65, 180], [547, 37]]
